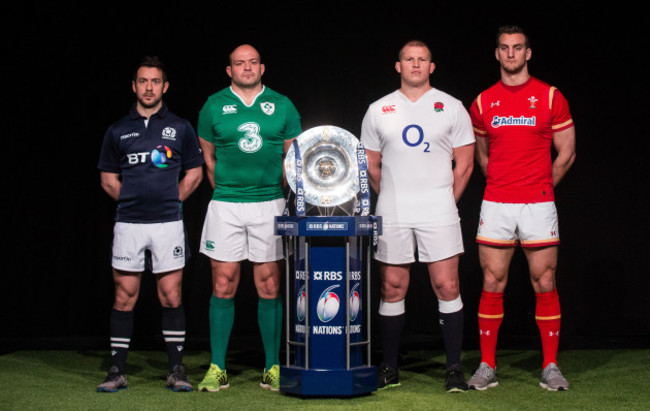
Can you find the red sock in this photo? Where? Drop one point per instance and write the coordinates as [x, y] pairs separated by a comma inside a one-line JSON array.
[[490, 315], [547, 316]]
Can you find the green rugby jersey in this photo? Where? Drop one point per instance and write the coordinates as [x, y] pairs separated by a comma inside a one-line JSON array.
[[249, 143]]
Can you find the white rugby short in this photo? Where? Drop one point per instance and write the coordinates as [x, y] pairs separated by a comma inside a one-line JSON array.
[[242, 231], [509, 224], [397, 245], [165, 242]]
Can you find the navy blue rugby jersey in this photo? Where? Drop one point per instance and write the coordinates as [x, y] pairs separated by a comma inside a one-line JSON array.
[[149, 158]]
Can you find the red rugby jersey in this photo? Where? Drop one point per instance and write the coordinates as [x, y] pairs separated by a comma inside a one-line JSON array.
[[519, 122]]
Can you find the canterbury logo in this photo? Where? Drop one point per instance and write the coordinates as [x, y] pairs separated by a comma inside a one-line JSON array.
[[388, 109], [230, 109]]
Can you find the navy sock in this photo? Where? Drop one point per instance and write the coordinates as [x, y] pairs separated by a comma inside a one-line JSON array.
[[173, 330], [391, 333], [451, 325], [121, 329]]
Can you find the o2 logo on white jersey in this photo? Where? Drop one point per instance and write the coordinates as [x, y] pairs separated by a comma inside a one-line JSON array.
[[252, 140], [413, 136]]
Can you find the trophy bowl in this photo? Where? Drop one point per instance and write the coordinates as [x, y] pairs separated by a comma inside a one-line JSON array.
[[330, 173]]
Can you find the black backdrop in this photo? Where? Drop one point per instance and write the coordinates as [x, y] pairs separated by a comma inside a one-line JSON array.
[[66, 77]]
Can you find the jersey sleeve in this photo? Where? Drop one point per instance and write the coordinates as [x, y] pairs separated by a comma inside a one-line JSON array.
[[192, 155], [206, 119], [561, 115], [476, 116], [109, 156], [293, 127], [369, 137], [461, 132]]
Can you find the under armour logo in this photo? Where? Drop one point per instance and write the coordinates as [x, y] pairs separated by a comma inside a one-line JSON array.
[[179, 348], [113, 352], [496, 103], [551, 333], [481, 332]]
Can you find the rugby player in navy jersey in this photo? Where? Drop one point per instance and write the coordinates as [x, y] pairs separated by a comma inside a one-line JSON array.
[[150, 162]]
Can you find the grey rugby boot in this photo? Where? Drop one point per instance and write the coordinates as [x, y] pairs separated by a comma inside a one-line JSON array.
[[484, 377], [177, 380], [553, 380], [114, 381]]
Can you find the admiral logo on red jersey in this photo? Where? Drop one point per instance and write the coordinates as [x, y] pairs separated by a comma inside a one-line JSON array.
[[498, 121], [388, 109]]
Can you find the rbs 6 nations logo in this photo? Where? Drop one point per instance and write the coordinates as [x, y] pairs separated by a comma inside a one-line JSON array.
[[300, 304], [355, 302], [328, 304]]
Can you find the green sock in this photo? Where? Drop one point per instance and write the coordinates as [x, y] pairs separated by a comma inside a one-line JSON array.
[[222, 316], [269, 318]]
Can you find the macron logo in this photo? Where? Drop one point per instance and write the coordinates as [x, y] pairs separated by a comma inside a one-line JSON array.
[[125, 136]]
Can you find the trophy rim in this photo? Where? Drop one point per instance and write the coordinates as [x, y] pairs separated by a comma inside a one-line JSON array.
[[330, 194]]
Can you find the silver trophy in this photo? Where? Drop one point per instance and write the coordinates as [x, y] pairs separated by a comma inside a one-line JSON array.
[[325, 170]]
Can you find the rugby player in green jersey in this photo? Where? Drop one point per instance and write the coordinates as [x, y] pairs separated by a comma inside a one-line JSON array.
[[244, 131]]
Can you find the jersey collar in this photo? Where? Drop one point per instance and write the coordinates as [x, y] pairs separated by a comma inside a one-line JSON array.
[[254, 100], [162, 112], [521, 86]]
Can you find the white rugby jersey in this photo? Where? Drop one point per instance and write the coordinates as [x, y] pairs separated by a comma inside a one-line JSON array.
[[416, 140]]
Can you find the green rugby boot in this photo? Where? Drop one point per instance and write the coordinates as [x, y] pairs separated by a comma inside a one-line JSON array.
[[214, 380], [271, 378]]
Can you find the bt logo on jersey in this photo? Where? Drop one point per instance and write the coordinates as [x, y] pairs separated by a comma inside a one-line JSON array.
[[135, 158], [158, 155]]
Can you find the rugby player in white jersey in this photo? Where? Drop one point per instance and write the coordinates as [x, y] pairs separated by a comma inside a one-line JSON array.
[[420, 147]]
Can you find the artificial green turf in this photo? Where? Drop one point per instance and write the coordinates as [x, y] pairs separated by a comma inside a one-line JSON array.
[[66, 380]]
